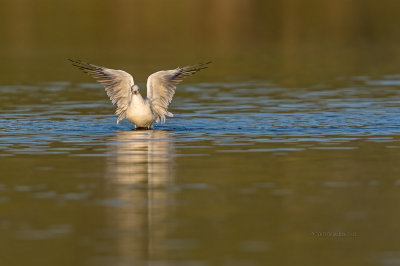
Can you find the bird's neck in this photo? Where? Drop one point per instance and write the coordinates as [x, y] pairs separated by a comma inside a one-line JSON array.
[[137, 98]]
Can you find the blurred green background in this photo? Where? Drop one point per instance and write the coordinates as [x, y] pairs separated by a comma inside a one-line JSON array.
[[288, 41]]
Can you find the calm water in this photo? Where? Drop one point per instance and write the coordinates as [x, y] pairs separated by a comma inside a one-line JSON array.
[[284, 152], [244, 172]]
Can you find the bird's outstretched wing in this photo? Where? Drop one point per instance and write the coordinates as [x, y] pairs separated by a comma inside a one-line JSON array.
[[161, 88], [117, 84]]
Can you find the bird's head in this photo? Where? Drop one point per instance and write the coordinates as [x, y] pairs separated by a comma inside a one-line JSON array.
[[135, 89]]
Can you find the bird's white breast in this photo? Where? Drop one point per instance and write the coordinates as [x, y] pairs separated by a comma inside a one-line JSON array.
[[139, 112]]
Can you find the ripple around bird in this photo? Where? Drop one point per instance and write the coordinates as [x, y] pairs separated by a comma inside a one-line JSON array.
[[34, 117]]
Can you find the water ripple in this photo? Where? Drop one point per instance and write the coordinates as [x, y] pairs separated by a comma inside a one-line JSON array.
[[36, 119]]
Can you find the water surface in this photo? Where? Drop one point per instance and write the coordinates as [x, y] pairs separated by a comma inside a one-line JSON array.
[[242, 173]]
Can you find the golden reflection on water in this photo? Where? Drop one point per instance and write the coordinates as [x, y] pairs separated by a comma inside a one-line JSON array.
[[142, 157], [140, 166]]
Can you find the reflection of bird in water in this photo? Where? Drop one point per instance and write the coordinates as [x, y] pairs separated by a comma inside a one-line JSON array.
[[122, 91], [142, 157], [139, 165]]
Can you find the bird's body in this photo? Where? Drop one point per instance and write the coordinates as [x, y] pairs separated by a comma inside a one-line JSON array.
[[123, 92], [139, 112]]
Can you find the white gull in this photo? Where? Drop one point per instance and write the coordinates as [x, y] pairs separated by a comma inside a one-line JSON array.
[[123, 92]]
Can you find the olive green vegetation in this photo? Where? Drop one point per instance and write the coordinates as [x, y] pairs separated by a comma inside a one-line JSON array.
[[286, 41]]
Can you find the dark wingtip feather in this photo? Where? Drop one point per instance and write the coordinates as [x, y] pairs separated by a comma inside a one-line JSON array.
[[74, 61], [197, 67], [202, 66], [85, 67]]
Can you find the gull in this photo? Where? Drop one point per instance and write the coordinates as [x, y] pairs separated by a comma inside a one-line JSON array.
[[122, 91]]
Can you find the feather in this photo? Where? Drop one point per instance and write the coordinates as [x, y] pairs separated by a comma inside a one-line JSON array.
[[117, 84], [161, 88]]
